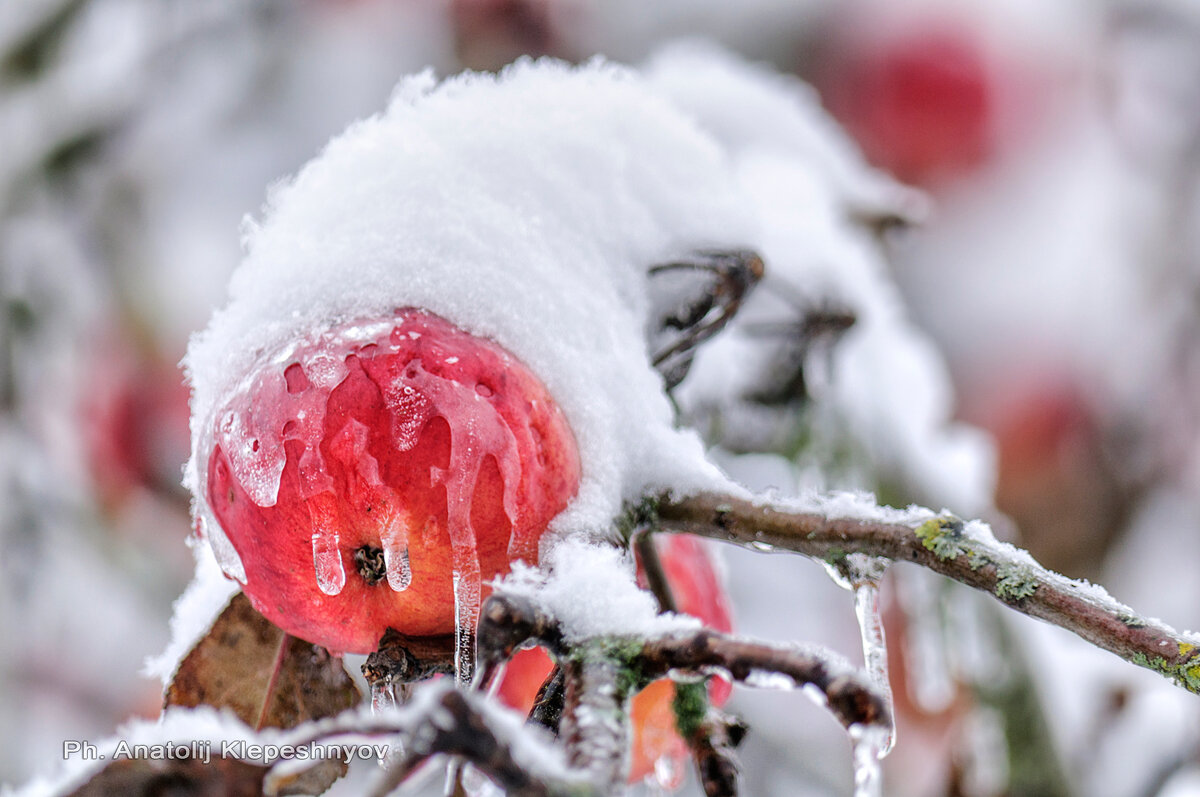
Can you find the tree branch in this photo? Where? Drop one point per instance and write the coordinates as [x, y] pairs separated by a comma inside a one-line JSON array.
[[507, 621], [443, 720], [713, 746], [948, 547], [850, 699]]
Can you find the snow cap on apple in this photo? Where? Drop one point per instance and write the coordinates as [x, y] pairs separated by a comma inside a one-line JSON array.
[[509, 221], [517, 212]]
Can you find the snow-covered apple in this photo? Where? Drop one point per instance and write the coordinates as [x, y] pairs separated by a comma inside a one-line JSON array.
[[413, 460]]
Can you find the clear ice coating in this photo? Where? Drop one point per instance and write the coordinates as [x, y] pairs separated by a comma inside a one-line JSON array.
[[383, 696], [327, 554], [485, 434], [861, 574], [869, 743], [208, 528], [467, 589], [395, 558], [870, 625], [289, 399], [349, 446]]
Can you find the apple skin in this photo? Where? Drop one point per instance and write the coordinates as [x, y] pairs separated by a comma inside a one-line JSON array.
[[698, 591], [441, 432]]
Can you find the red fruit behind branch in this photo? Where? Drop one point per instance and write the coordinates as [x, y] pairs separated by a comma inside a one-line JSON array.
[[375, 476], [697, 590]]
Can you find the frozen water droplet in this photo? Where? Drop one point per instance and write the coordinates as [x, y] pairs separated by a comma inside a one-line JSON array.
[[327, 559], [395, 559], [327, 554]]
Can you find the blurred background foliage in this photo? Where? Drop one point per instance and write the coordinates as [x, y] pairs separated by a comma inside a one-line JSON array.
[[1058, 142]]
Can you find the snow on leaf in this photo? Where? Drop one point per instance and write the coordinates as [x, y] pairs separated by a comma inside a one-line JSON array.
[[143, 777]]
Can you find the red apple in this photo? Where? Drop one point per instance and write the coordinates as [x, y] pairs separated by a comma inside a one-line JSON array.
[[414, 462], [698, 591], [135, 420], [920, 100]]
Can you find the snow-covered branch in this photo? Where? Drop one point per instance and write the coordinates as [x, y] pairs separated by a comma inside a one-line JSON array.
[[509, 621], [966, 553], [442, 720]]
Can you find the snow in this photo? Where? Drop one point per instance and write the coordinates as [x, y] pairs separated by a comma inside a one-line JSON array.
[[886, 388], [526, 208], [590, 589], [195, 611], [849, 505], [208, 727]]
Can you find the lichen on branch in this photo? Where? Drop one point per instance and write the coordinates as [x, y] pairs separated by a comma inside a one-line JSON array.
[[964, 552]]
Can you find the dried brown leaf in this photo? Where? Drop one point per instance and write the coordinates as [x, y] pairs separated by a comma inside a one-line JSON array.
[[269, 679], [220, 777]]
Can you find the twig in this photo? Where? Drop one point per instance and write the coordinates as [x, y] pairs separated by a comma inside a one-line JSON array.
[[403, 659], [735, 273], [446, 721], [656, 576], [712, 740], [944, 546], [712, 746], [548, 705], [850, 699], [698, 652], [595, 719]]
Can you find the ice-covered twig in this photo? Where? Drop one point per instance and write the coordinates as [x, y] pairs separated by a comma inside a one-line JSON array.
[[443, 720], [849, 697], [508, 621], [964, 552], [712, 745], [595, 717]]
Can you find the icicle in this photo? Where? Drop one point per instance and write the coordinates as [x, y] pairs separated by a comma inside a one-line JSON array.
[[870, 625], [861, 574], [493, 689], [869, 747], [467, 596], [395, 552], [383, 696], [327, 559], [327, 553]]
